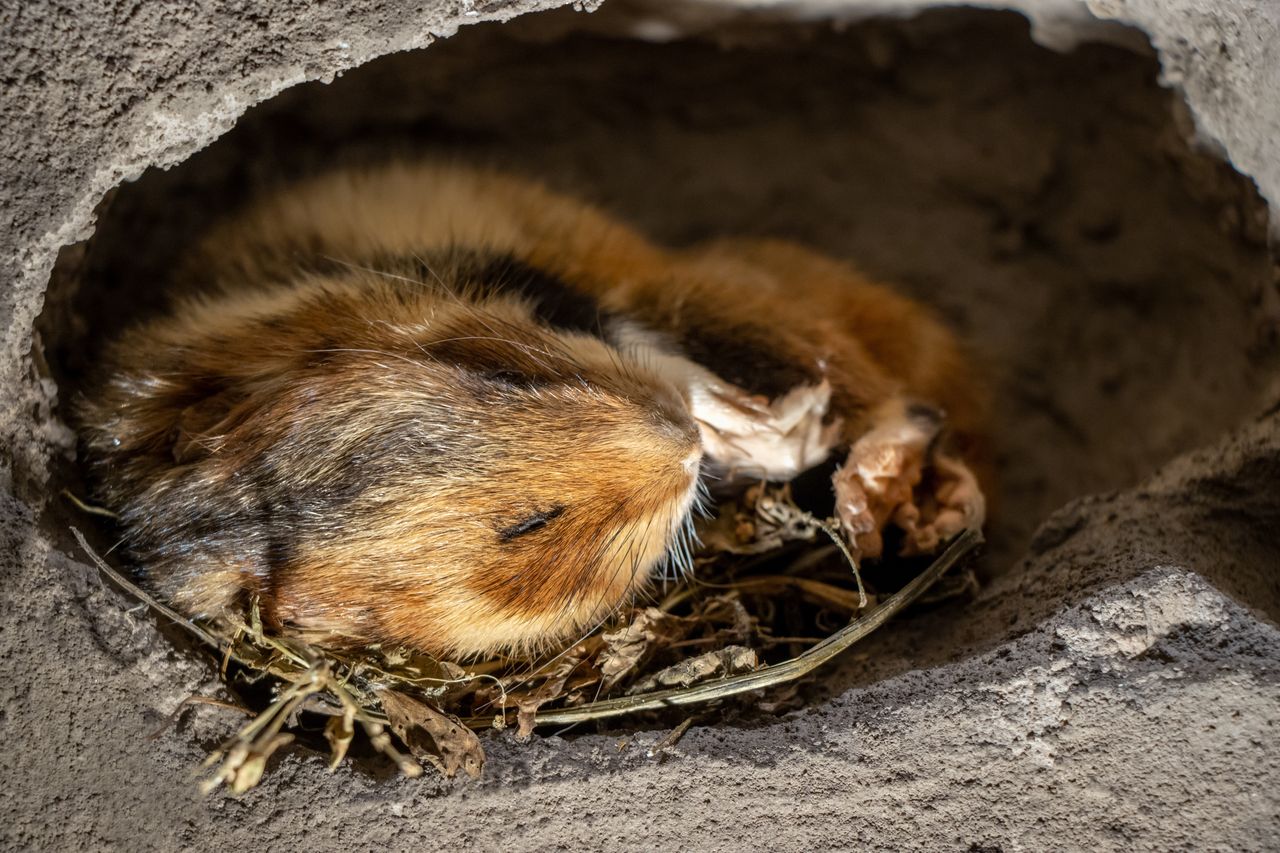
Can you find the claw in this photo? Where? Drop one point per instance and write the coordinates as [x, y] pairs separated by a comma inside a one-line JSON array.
[[880, 484]]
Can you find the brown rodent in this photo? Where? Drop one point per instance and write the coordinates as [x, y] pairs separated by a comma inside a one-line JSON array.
[[447, 408]]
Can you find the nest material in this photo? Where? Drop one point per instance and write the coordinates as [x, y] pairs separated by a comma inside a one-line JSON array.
[[767, 603]]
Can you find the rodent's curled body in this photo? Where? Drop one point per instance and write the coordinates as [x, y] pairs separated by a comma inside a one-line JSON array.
[[450, 409]]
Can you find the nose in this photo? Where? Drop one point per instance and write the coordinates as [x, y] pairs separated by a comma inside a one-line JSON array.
[[676, 421]]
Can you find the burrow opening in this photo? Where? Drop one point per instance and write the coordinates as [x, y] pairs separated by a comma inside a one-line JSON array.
[[1114, 278]]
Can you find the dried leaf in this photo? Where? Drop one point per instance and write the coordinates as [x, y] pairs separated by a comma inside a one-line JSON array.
[[250, 772], [727, 610], [527, 707], [763, 519], [528, 702], [381, 741], [629, 648], [247, 752], [439, 738], [731, 660], [428, 676], [339, 731], [573, 669]]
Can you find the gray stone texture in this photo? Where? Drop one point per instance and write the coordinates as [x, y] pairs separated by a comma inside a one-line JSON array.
[[1114, 686]]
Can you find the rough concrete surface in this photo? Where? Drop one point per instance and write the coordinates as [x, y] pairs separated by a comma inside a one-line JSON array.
[[1114, 686]]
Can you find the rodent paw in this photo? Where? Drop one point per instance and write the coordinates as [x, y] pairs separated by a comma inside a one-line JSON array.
[[893, 476], [877, 479], [954, 504], [854, 510]]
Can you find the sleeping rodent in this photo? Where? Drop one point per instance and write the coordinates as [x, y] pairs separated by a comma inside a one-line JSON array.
[[450, 409]]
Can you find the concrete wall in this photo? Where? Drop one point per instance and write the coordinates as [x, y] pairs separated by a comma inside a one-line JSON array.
[[1127, 700]]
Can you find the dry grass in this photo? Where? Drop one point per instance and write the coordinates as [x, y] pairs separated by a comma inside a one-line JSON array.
[[769, 601]]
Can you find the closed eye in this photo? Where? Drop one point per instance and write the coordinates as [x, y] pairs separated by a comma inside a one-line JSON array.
[[536, 521]]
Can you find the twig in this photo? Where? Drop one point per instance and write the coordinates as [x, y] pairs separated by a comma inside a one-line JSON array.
[[172, 717], [87, 508], [659, 749], [832, 528], [138, 593]]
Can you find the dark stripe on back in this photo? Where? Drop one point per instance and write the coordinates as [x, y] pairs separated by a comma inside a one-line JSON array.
[[745, 356], [555, 301]]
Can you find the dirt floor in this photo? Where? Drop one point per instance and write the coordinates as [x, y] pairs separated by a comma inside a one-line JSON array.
[[1115, 280]]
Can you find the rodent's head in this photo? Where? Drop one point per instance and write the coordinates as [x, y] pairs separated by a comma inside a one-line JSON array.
[[534, 480], [454, 475]]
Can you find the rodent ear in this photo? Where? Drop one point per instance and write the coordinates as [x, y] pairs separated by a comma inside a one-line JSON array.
[[200, 427]]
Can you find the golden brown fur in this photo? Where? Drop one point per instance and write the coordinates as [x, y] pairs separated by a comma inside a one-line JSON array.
[[451, 409]]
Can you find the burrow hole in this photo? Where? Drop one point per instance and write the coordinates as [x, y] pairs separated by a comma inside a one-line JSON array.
[[1109, 273]]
